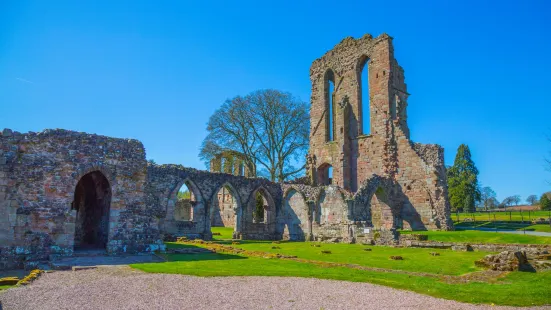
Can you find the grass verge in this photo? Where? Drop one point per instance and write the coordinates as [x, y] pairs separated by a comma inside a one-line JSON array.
[[471, 236]]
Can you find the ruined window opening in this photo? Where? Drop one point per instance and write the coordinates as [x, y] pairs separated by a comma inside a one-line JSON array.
[[260, 207], [224, 208], [185, 202], [325, 174], [364, 96], [329, 96], [393, 104], [242, 169], [92, 201]]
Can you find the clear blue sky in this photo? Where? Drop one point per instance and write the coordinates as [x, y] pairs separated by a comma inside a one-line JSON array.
[[478, 72]]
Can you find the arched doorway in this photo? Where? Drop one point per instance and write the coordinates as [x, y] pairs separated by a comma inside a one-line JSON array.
[[185, 201], [92, 201], [225, 217], [261, 208], [224, 208]]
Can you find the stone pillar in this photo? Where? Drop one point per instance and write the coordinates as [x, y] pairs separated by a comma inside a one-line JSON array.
[[311, 206]]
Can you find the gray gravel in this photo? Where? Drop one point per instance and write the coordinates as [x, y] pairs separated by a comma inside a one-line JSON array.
[[124, 288]]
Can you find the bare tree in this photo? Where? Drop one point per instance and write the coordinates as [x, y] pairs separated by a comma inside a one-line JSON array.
[[532, 199], [511, 200], [487, 197], [270, 127], [515, 199], [228, 129]]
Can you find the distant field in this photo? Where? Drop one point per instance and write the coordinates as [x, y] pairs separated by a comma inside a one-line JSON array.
[[505, 225], [470, 236], [502, 216]]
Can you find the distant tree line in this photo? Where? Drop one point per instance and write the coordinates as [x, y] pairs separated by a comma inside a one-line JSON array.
[[466, 195]]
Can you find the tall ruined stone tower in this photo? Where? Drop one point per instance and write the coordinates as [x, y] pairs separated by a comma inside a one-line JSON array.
[[352, 154]]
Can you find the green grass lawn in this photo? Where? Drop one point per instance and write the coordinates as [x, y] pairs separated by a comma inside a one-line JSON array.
[[225, 233], [539, 227], [502, 216], [516, 289], [471, 236], [503, 226], [415, 259], [5, 287]]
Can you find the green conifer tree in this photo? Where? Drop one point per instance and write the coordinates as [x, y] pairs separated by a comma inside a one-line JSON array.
[[463, 188], [545, 202]]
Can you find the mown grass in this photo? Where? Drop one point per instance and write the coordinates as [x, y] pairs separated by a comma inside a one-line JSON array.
[[515, 289], [5, 287], [538, 227], [414, 259], [503, 226], [225, 233], [502, 216], [470, 236]]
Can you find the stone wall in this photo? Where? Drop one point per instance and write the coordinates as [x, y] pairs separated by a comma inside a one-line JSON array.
[[39, 173], [416, 196], [183, 210], [163, 184]]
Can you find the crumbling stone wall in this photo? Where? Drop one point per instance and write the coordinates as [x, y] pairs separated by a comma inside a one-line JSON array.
[[232, 162], [332, 214], [39, 173], [417, 195], [164, 182]]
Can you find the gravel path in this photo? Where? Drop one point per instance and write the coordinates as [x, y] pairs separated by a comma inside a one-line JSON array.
[[124, 288]]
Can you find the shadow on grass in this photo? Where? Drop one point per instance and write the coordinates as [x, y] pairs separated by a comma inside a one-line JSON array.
[[189, 257], [200, 257], [486, 225]]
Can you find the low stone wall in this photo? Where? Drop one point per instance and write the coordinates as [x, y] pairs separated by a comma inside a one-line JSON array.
[[487, 247]]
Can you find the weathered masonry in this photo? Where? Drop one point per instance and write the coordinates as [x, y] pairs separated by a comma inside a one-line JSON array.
[[63, 192], [359, 132]]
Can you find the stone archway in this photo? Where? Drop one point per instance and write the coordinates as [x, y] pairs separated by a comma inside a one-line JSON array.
[[92, 201]]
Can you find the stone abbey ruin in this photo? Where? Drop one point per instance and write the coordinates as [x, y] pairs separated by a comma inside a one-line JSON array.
[[62, 191]]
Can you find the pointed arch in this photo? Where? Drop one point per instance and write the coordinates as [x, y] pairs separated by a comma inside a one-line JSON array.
[[364, 102], [269, 209], [328, 91], [91, 168], [225, 208], [196, 202]]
